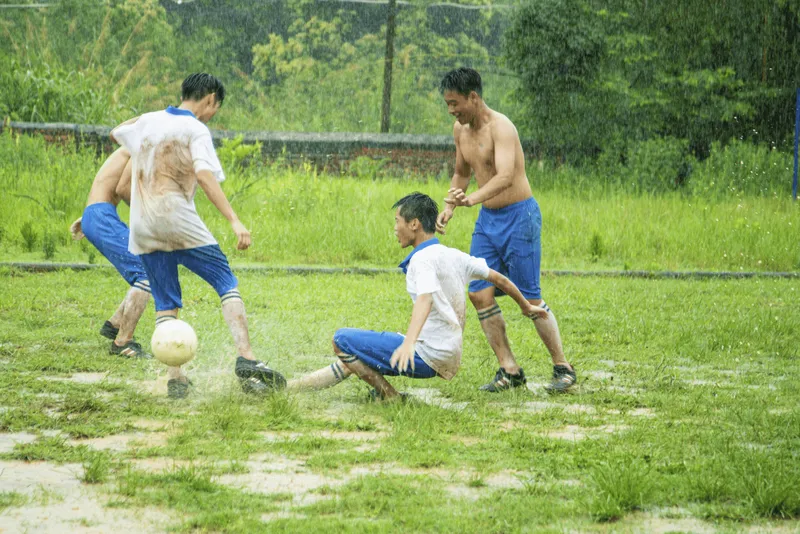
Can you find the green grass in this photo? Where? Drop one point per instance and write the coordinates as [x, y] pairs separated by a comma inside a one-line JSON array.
[[300, 217], [686, 407]]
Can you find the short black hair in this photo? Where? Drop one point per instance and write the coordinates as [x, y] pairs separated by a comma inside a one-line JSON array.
[[196, 86], [419, 206], [463, 81]]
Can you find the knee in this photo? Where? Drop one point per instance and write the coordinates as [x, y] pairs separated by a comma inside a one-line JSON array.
[[480, 300]]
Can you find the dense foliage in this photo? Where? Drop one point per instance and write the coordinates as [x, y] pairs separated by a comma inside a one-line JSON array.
[[624, 86]]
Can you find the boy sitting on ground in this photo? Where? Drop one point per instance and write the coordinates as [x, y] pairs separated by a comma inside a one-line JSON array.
[[435, 279]]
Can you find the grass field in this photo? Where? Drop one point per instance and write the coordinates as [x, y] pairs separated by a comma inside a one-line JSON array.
[[300, 217], [685, 419]]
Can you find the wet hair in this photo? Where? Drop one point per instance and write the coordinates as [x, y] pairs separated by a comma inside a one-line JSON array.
[[419, 206], [196, 86], [463, 81]]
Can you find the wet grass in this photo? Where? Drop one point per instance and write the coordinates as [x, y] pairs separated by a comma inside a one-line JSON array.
[[686, 408], [298, 216]]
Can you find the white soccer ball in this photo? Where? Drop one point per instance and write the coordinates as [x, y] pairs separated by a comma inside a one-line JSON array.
[[174, 342]]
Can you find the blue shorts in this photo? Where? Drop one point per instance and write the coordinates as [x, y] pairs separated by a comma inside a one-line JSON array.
[[103, 228], [510, 240], [375, 349], [207, 262]]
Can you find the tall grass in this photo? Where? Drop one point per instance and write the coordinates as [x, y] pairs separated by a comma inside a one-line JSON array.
[[302, 216]]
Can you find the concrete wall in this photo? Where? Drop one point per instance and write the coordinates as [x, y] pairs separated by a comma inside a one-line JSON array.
[[399, 153]]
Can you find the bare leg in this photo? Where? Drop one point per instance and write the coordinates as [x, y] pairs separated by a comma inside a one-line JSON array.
[[133, 306], [234, 313], [494, 326], [116, 319], [551, 337]]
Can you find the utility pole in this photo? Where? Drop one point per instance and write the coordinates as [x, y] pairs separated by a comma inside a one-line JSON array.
[[386, 105]]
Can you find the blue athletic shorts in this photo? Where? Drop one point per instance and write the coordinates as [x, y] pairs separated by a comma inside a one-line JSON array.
[[103, 228], [375, 349], [207, 262], [510, 240]]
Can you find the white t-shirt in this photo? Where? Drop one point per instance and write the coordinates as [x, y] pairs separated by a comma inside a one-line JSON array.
[[167, 148], [443, 272]]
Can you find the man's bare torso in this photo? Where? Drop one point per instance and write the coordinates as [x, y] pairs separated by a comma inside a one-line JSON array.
[[478, 150], [104, 187]]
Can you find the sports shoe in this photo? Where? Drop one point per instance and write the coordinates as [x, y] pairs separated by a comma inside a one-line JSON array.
[[109, 330], [504, 381], [131, 349], [178, 388], [563, 379], [254, 369]]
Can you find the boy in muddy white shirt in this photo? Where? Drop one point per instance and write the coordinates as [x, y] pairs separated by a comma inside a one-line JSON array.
[[172, 153]]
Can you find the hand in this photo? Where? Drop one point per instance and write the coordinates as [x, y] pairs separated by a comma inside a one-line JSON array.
[[76, 230], [443, 218], [457, 197], [534, 312], [403, 355], [242, 235]]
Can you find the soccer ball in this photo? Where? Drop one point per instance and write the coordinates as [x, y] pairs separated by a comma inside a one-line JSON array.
[[174, 342]]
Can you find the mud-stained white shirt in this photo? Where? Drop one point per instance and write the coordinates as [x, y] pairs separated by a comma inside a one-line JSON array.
[[444, 273], [167, 149]]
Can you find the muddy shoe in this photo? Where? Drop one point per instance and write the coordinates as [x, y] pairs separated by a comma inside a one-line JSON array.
[[131, 349], [254, 369], [109, 330], [178, 388], [504, 381], [563, 379]]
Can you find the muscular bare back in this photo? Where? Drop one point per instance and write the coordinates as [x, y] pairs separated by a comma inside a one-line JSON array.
[[493, 149], [115, 170]]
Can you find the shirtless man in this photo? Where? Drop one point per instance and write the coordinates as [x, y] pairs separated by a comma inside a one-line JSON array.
[[101, 225], [508, 230]]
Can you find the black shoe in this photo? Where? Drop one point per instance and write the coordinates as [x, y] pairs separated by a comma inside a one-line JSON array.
[[109, 330], [131, 349], [178, 388], [247, 369], [563, 379], [504, 381], [374, 396], [255, 386]]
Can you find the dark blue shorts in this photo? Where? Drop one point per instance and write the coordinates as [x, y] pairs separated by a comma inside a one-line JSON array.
[[375, 349], [510, 240], [103, 228], [208, 262]]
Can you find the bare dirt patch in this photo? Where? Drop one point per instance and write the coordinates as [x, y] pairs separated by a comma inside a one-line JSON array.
[[8, 441], [122, 442], [577, 433], [276, 474], [435, 398], [69, 506]]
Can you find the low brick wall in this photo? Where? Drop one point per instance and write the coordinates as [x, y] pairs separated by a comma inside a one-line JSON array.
[[400, 153]]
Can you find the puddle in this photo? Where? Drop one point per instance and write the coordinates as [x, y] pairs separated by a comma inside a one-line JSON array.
[[577, 433], [68, 506], [600, 375], [8, 441], [281, 476], [77, 378], [123, 442], [272, 437], [434, 397], [538, 406]]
